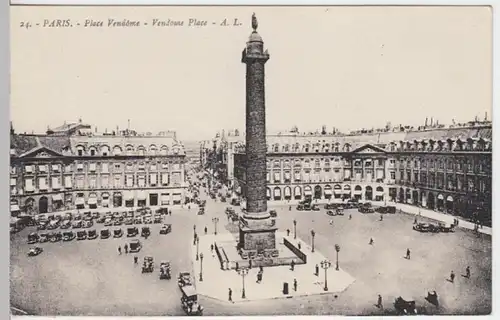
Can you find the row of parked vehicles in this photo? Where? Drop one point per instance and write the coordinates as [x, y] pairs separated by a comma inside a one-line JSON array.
[[88, 218], [92, 234], [434, 228]]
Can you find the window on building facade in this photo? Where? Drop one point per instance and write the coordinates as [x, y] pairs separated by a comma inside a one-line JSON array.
[[104, 168], [153, 180], [93, 182], [297, 175], [460, 183], [268, 176], [165, 166], [141, 167], [105, 181], [80, 152], [80, 183], [277, 177], [42, 168], [12, 181], [415, 176], [153, 167], [469, 165], [12, 170], [55, 167], [56, 183], [92, 167], [380, 162], [117, 181], [141, 151], [164, 179], [357, 163], [129, 180], [276, 164], [287, 176], [287, 164], [42, 184], [141, 181], [67, 182], [164, 151], [470, 185], [92, 152], [79, 167], [129, 150], [130, 166], [393, 175], [28, 183]]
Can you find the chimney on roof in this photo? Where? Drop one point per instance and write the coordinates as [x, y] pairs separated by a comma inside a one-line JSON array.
[[80, 120], [486, 116], [11, 128]]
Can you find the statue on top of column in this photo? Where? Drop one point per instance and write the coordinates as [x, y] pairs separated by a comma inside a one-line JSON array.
[[255, 24]]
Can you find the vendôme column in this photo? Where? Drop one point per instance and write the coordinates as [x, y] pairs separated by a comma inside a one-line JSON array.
[[256, 230]]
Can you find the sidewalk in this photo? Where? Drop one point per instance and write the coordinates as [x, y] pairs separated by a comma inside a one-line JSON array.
[[446, 218]]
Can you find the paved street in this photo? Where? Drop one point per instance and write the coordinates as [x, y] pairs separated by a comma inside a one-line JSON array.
[[89, 277]]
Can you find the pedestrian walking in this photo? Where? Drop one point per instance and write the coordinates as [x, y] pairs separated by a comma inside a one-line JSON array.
[[379, 301], [331, 222], [230, 295], [250, 264], [381, 217], [259, 277], [287, 232], [126, 248], [467, 272], [292, 265], [350, 216], [290, 208], [316, 270], [408, 253], [415, 221], [295, 285], [206, 230], [136, 259], [261, 269], [299, 245], [371, 241], [212, 247], [119, 250], [452, 276]]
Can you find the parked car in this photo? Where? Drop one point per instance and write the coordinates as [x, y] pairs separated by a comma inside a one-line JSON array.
[[426, 227], [157, 218], [405, 306], [386, 209], [76, 224], [446, 227], [117, 233], [145, 232], [34, 251], [55, 237], [87, 223], [81, 235], [53, 224], [273, 213], [105, 234], [44, 237], [132, 231], [135, 246], [92, 234], [33, 238], [66, 224], [166, 229], [68, 236], [108, 222]]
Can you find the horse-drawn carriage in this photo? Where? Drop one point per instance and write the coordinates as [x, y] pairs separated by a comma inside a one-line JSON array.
[[165, 270], [148, 265]]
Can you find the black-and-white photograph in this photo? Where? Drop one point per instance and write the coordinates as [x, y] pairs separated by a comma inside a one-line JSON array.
[[251, 161]]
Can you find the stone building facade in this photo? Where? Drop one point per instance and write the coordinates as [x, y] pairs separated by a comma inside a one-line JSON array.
[[446, 169], [50, 173]]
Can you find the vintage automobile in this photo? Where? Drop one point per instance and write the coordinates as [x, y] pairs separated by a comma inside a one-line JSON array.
[[335, 212], [163, 210], [132, 231], [432, 297], [135, 246], [76, 224], [42, 225], [184, 279], [138, 220], [273, 213], [426, 227], [55, 237], [118, 233], [446, 227], [105, 234], [81, 235], [315, 207], [53, 224], [117, 222], [87, 215], [229, 210], [77, 217], [34, 251], [303, 207], [68, 235], [189, 301], [66, 224], [157, 218], [148, 265], [87, 223], [331, 206], [201, 211], [165, 270], [92, 234], [128, 221], [147, 219], [405, 306], [101, 219], [108, 222], [366, 208], [33, 238], [44, 237], [386, 209], [145, 232], [235, 202], [166, 229], [222, 199], [96, 215]]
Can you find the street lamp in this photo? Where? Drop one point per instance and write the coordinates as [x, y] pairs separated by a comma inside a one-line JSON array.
[[325, 265], [201, 266], [337, 249], [194, 230], [243, 272], [197, 248], [312, 235], [294, 229], [215, 221]]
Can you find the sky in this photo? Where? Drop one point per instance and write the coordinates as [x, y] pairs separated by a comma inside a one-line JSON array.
[[343, 67]]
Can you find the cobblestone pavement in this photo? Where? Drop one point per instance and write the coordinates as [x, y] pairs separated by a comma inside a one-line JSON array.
[[90, 278]]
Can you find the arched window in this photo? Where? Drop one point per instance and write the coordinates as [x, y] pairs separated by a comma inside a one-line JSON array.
[[117, 150], [141, 151], [105, 150], [153, 150], [163, 150], [80, 150]]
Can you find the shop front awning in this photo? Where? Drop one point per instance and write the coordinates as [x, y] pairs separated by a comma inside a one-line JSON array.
[[277, 193], [57, 197], [80, 201], [165, 197], [141, 195], [358, 191], [328, 192], [308, 192], [440, 197], [14, 208], [450, 199], [128, 195]]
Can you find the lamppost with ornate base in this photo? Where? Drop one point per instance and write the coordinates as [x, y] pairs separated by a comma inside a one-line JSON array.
[[294, 229], [337, 249], [201, 266], [243, 273], [312, 235], [215, 221], [197, 247], [325, 264]]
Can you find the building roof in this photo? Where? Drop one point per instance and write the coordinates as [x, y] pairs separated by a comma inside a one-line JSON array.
[[20, 143]]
